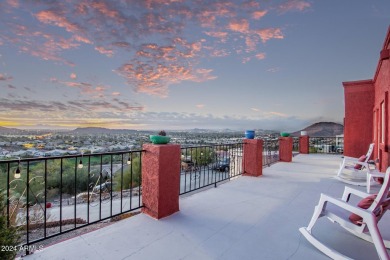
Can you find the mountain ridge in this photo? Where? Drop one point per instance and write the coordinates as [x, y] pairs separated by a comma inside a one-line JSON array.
[[322, 129]]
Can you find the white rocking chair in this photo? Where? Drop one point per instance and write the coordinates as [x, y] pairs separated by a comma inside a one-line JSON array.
[[354, 171], [339, 211]]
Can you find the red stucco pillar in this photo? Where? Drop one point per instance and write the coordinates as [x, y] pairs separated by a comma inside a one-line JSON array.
[[285, 149], [253, 157], [160, 179], [358, 122], [304, 144]]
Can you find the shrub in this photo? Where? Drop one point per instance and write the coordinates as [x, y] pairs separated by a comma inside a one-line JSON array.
[[9, 237]]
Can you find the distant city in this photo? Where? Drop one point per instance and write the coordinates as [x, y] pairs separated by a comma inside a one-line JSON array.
[[16, 143]]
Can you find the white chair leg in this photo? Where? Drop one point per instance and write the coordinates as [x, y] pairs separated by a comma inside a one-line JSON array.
[[342, 165], [317, 213], [377, 240]]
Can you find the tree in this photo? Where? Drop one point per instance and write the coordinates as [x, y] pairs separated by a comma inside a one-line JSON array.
[[9, 237], [202, 155], [131, 175]]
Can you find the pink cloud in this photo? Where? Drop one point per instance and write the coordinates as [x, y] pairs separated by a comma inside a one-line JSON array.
[[73, 76], [259, 14], [293, 5], [51, 17], [270, 33], [246, 59], [241, 26], [104, 9], [200, 106], [13, 3], [105, 51], [260, 56], [164, 47]]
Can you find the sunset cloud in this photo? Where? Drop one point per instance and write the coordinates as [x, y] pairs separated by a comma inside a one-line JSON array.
[[260, 56], [155, 49], [294, 5], [272, 113], [270, 33], [241, 26], [259, 14], [73, 106]]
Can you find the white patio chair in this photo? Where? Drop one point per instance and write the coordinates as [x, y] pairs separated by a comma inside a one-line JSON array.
[[354, 170], [340, 210]]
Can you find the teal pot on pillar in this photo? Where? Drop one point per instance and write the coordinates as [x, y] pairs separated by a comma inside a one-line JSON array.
[[284, 134], [159, 139]]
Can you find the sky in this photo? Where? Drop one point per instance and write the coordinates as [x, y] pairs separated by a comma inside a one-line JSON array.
[[183, 64]]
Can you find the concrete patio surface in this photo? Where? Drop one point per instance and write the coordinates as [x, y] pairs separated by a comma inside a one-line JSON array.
[[246, 218]]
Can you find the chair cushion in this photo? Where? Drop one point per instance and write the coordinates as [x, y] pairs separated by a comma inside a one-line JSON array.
[[364, 204], [361, 159]]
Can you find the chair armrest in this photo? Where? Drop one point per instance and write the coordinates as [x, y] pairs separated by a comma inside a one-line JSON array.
[[376, 173], [348, 191], [342, 204], [347, 158]]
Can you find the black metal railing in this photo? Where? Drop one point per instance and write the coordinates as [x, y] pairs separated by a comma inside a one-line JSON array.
[[270, 151], [295, 149], [47, 197], [203, 166], [327, 145]]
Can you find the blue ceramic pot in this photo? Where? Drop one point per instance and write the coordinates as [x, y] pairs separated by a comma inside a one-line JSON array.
[[249, 134]]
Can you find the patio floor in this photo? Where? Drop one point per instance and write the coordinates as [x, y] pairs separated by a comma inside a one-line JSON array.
[[246, 218]]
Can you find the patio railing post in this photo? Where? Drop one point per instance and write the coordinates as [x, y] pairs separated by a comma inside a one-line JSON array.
[[285, 149], [160, 179], [253, 157], [304, 144]]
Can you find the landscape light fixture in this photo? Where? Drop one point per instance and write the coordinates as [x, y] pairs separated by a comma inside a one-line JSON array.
[[17, 171], [80, 166]]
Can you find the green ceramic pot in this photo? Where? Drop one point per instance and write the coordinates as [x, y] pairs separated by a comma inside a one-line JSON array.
[[159, 139]]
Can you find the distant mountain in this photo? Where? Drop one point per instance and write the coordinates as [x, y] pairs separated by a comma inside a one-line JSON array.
[[324, 129], [6, 130]]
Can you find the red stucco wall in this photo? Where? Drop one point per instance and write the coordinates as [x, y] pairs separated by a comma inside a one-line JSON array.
[[363, 123], [382, 88], [358, 122]]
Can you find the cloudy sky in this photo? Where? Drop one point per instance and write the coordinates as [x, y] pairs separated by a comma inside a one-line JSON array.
[[180, 64]]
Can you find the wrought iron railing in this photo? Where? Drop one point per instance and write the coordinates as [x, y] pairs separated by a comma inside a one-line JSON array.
[[47, 197], [270, 151], [203, 166], [328, 145]]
